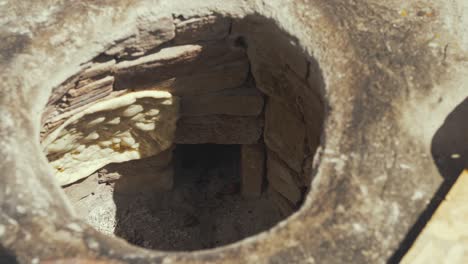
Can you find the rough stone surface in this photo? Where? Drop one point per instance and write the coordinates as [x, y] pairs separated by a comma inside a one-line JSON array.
[[91, 84], [242, 101], [186, 69], [285, 134], [88, 92], [133, 126], [282, 53], [283, 179], [96, 69], [215, 79], [218, 130], [204, 28], [252, 169], [307, 174], [386, 67], [284, 205], [55, 115], [313, 112], [150, 32]]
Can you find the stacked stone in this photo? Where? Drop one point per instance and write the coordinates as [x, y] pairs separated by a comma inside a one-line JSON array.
[[194, 59], [291, 135], [191, 58], [94, 83], [215, 65]]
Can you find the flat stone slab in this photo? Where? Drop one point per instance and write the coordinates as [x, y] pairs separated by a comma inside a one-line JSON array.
[[242, 101], [285, 207], [285, 134], [218, 130], [186, 69], [252, 169], [282, 179], [132, 126]]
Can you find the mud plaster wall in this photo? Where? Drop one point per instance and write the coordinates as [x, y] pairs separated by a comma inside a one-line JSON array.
[[384, 71]]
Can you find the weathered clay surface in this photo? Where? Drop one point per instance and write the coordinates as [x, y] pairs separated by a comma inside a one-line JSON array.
[[386, 67], [133, 126]]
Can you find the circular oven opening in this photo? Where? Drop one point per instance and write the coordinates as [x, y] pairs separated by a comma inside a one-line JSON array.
[[193, 133]]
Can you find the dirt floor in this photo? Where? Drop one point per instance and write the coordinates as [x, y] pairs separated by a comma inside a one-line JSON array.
[[203, 210]]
